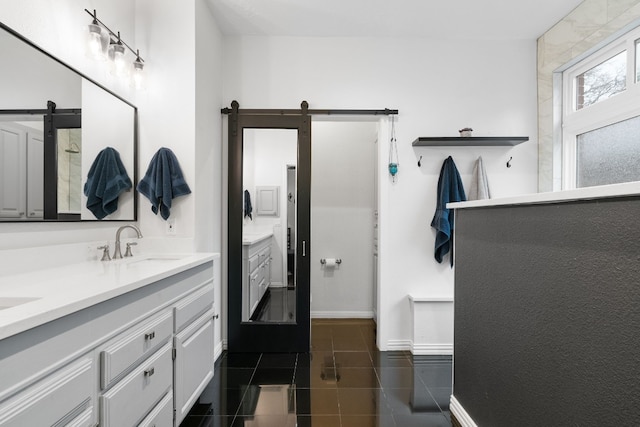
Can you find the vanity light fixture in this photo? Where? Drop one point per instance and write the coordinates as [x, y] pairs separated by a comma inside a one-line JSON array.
[[104, 42]]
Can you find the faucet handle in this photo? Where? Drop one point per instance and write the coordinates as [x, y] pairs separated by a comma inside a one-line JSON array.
[[105, 253], [128, 253]]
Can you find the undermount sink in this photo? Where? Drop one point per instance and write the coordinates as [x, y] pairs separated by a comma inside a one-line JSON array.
[[9, 302], [155, 259]]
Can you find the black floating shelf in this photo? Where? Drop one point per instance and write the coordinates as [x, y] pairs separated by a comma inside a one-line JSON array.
[[459, 141]]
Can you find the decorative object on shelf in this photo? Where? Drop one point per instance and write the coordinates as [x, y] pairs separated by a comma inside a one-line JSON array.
[[509, 162], [393, 152], [104, 43], [465, 132]]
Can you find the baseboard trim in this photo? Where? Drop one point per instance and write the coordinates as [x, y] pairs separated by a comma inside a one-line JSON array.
[[342, 314], [398, 345], [461, 415], [431, 349], [217, 351]]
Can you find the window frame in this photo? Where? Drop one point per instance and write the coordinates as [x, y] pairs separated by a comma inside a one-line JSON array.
[[622, 106]]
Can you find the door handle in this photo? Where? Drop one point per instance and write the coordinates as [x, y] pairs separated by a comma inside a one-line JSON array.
[[304, 248]]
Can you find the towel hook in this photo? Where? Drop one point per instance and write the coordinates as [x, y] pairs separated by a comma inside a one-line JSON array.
[[509, 162], [420, 162]]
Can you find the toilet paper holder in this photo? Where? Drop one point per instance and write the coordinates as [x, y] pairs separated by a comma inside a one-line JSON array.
[[324, 261]]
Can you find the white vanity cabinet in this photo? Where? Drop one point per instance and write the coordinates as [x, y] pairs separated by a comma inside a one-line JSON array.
[[139, 358], [256, 273]]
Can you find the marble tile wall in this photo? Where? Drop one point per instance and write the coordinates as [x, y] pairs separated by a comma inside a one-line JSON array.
[[589, 24], [69, 171]]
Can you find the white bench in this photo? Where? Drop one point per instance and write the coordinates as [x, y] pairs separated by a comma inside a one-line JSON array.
[[432, 323]]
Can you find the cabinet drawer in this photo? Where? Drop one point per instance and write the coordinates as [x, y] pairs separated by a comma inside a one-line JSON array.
[[254, 262], [265, 253], [192, 306], [64, 397], [133, 345], [132, 398], [162, 414]]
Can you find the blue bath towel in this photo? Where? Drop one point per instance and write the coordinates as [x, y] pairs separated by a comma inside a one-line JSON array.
[[107, 178], [248, 208], [450, 189], [163, 182]]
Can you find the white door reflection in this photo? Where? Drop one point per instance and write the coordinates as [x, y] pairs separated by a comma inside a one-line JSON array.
[[268, 230]]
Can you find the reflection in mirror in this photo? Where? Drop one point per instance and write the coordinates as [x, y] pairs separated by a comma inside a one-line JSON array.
[[29, 79], [22, 156], [269, 232], [69, 142]]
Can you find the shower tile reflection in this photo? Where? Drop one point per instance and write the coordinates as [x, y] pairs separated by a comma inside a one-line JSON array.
[[342, 382]]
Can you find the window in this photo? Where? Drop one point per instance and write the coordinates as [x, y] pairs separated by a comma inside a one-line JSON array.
[[601, 116], [602, 81], [609, 155]]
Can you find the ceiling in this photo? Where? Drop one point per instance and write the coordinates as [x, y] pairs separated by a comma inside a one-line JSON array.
[[443, 19]]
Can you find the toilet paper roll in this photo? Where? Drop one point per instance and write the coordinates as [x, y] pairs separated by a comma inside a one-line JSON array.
[[330, 263]]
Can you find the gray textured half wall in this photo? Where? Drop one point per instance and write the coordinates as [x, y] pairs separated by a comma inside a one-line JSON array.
[[547, 314]]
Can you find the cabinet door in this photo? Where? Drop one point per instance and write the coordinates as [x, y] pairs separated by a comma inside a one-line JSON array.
[[64, 397], [13, 173], [35, 175], [268, 201], [193, 367]]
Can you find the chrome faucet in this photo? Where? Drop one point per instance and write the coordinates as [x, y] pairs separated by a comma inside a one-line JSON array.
[[117, 254]]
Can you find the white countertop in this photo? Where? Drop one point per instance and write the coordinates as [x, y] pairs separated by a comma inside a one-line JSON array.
[[72, 287], [255, 237], [589, 193]]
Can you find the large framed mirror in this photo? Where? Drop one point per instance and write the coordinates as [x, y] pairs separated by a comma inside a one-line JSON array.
[[269, 230], [53, 124]]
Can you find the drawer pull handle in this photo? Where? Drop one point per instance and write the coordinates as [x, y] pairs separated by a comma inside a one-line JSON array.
[[150, 336], [149, 372]]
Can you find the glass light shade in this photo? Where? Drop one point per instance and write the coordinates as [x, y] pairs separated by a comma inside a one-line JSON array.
[[98, 40], [138, 74], [116, 54]]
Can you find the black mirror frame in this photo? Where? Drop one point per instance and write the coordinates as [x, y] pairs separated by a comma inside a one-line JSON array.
[[50, 166]]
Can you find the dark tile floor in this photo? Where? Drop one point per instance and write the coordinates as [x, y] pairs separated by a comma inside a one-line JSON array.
[[343, 382]]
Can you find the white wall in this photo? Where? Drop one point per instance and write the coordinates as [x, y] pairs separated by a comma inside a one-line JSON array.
[[439, 87], [342, 217], [167, 108], [208, 149]]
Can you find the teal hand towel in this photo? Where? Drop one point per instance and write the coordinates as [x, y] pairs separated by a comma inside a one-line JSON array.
[[107, 178], [450, 189], [163, 182]]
